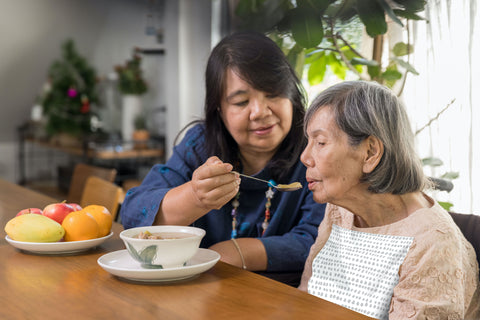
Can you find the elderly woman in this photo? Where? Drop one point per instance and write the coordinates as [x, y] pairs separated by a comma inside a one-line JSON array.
[[385, 248]]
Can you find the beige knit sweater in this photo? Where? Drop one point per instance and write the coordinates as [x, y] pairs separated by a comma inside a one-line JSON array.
[[439, 276]]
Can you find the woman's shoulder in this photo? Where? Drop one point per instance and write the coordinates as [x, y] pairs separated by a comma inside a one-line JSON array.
[[437, 235], [191, 149], [192, 135], [195, 130], [434, 221]]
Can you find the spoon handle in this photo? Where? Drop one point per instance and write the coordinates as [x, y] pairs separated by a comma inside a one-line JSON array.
[[281, 187], [246, 176]]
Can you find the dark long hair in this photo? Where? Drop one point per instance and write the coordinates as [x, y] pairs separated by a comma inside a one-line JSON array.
[[262, 64]]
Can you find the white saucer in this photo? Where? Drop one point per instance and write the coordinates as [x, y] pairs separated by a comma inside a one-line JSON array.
[[119, 263], [63, 247]]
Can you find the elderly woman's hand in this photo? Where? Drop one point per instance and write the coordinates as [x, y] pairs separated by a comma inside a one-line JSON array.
[[213, 184]]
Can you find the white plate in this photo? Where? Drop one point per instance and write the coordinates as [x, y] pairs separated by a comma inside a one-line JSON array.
[[119, 263], [63, 247]]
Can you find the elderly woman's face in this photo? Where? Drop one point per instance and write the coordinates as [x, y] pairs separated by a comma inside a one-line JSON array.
[[256, 120], [334, 167]]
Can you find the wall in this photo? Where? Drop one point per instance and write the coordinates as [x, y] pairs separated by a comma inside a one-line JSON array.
[[105, 31], [185, 71], [446, 89]]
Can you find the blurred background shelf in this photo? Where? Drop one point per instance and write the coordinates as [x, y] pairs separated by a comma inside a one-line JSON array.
[[47, 165]]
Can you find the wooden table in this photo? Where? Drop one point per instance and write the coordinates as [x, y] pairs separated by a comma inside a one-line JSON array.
[[14, 198], [53, 287]]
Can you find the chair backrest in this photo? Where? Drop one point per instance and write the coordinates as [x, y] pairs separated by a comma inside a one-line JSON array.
[[102, 192], [80, 174], [469, 224]]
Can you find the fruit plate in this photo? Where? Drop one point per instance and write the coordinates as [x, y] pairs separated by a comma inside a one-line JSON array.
[[67, 247], [121, 264]]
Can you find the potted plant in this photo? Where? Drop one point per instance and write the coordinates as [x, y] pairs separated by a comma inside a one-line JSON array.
[[140, 134], [131, 85], [317, 35]]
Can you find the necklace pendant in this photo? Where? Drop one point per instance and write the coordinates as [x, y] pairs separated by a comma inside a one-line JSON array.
[[269, 193], [235, 203], [264, 225]]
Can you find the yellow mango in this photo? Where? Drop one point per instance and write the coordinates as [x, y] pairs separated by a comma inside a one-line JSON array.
[[34, 228]]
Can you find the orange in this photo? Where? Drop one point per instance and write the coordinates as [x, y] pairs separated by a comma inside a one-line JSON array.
[[102, 216], [80, 225]]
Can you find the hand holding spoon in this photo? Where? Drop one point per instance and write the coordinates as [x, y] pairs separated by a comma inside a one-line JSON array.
[[280, 187]]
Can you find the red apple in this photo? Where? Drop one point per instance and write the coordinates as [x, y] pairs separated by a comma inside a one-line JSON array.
[[76, 206], [29, 210], [58, 211]]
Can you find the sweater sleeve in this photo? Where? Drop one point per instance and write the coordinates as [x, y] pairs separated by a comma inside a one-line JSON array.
[[141, 203], [435, 279]]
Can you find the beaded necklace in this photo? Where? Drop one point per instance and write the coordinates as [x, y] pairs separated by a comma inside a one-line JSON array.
[[235, 203]]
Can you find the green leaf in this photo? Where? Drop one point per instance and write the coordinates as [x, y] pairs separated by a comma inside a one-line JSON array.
[[336, 65], [307, 28], [445, 205], [365, 62], [432, 162], [344, 10], [318, 6], [409, 8], [277, 39], [245, 8], [450, 175], [402, 49], [406, 65], [412, 5], [348, 53], [372, 16], [389, 11], [391, 75], [272, 12], [296, 57], [317, 69], [312, 55], [261, 15], [408, 15], [373, 71]]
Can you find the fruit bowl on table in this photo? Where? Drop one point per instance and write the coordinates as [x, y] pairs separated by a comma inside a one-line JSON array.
[[57, 248]]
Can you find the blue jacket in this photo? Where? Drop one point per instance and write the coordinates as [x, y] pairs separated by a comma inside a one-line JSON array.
[[294, 215]]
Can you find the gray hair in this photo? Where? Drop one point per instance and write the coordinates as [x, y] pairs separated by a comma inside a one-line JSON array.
[[362, 109]]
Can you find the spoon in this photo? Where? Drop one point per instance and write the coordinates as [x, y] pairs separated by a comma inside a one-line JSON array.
[[280, 187]]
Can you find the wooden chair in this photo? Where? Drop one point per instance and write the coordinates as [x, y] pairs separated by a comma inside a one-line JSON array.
[[102, 192], [130, 183], [469, 224], [80, 174]]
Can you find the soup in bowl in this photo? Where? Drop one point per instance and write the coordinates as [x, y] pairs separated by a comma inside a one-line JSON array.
[[162, 247]]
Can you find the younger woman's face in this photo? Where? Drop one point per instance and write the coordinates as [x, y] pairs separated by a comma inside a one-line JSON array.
[[258, 121]]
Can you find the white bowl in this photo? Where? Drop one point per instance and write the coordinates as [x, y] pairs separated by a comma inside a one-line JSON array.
[[162, 253]]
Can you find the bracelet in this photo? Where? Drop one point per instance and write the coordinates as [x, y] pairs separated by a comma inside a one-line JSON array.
[[240, 253]]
